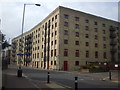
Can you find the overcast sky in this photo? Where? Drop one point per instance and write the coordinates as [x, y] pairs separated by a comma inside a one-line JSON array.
[[12, 10]]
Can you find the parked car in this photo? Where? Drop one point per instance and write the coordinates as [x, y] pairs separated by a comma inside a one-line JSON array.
[[114, 66]]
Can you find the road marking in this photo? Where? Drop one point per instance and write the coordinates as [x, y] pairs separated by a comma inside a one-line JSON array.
[[116, 81], [81, 79], [31, 81], [62, 85], [104, 78]]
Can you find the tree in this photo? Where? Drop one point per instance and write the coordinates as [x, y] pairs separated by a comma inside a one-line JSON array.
[[3, 41], [5, 44]]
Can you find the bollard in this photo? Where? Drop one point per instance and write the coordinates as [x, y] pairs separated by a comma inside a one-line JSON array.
[[76, 83], [19, 73], [48, 79], [110, 75]]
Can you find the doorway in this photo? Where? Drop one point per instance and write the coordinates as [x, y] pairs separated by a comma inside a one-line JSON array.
[[65, 65]]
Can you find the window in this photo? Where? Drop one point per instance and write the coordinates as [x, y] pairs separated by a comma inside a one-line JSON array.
[[76, 26], [76, 63], [55, 16], [65, 52], [36, 31], [76, 18], [52, 34], [66, 24], [76, 42], [52, 43], [55, 32], [38, 47], [96, 54], [52, 26], [104, 38], [38, 35], [55, 41], [103, 25], [104, 45], [65, 32], [65, 41], [42, 55], [77, 53], [54, 62], [51, 53], [96, 44], [51, 62], [66, 16], [33, 55], [103, 31], [86, 28], [87, 54], [96, 37], [37, 55], [39, 29], [87, 21], [104, 55], [86, 35], [96, 29], [55, 24], [77, 34], [87, 43], [55, 52], [95, 23], [53, 19], [38, 41]]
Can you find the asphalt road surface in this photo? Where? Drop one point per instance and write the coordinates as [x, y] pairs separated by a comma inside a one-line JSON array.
[[67, 79]]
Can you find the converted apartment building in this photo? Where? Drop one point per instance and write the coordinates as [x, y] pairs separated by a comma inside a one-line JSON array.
[[67, 39]]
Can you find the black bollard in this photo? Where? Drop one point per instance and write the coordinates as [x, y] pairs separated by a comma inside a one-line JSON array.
[[76, 83], [19, 73], [48, 79], [110, 75]]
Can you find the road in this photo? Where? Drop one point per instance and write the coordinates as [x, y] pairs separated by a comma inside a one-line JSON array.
[[67, 79]]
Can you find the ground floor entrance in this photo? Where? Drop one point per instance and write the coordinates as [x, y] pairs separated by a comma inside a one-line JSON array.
[[65, 65]]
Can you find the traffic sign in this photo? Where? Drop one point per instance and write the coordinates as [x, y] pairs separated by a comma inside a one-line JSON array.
[[20, 54]]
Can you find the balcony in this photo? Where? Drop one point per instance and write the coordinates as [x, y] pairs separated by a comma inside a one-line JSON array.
[[113, 35], [27, 53], [14, 47], [13, 51], [14, 43], [113, 50], [113, 43], [21, 44], [20, 49], [112, 29]]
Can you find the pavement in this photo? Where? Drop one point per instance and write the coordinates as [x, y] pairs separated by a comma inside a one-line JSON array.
[[11, 81]]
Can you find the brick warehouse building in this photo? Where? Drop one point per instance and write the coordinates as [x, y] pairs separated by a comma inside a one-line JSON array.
[[66, 39]]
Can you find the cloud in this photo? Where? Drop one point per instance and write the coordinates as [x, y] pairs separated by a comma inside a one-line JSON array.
[[12, 13]]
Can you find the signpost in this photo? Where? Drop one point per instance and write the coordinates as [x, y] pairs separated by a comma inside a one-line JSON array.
[[19, 73]]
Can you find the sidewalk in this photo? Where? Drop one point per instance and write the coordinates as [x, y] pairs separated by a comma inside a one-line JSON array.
[[11, 81]]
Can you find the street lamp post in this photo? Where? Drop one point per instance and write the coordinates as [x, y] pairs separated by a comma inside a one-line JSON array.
[[21, 53]]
